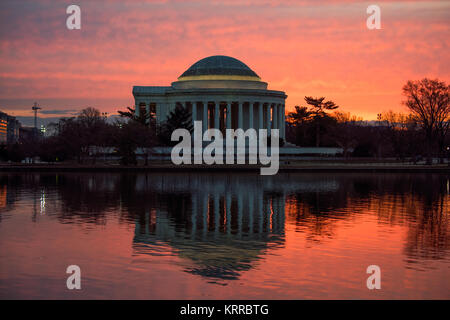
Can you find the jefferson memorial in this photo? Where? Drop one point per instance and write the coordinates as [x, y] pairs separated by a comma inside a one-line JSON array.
[[222, 92]]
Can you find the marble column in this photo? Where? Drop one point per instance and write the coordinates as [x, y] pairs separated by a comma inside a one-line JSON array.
[[194, 111], [228, 115], [240, 116], [158, 112], [260, 115], [147, 109], [250, 114], [167, 108], [205, 116], [137, 110], [280, 118], [217, 114], [268, 110], [275, 117]]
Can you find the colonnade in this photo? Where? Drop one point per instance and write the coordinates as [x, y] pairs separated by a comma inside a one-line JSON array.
[[212, 214], [244, 214], [223, 114]]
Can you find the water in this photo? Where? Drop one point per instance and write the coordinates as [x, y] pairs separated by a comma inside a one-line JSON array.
[[224, 236]]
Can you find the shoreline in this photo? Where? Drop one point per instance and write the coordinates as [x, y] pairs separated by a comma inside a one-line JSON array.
[[307, 167]]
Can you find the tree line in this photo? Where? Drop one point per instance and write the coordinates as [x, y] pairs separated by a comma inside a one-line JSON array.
[[424, 132], [90, 135]]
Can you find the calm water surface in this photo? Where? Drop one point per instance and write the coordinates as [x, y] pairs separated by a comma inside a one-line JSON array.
[[224, 236]]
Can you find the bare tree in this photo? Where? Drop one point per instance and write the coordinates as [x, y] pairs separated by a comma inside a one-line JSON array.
[[92, 123], [400, 129], [428, 100], [345, 132]]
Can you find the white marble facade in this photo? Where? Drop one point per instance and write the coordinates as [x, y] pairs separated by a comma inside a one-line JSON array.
[[220, 91]]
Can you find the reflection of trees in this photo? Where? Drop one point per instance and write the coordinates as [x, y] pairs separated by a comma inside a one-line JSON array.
[[87, 196], [428, 234], [315, 212], [223, 223], [13, 186], [9, 190], [422, 203], [419, 201], [429, 237]]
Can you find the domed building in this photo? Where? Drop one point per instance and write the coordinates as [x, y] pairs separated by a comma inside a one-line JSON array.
[[220, 91]]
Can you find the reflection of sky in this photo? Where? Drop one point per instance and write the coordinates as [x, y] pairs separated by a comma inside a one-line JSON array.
[[131, 245], [302, 47], [3, 192]]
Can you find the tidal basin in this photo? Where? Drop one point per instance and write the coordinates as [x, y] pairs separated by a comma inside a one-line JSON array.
[[224, 235]]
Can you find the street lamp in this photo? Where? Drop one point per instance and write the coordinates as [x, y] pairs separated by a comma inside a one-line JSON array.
[[448, 156]]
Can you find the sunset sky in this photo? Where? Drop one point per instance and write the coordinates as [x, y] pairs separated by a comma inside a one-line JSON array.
[[318, 48]]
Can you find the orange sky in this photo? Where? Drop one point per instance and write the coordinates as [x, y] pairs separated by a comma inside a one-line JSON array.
[[318, 48]]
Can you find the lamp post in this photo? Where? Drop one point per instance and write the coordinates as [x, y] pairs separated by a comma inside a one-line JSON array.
[[448, 156], [35, 108]]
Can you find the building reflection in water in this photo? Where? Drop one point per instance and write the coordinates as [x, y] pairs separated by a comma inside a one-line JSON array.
[[223, 224]]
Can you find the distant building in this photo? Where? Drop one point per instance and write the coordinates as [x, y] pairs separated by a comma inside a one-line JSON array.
[[9, 129], [13, 130], [220, 91], [3, 128], [27, 133]]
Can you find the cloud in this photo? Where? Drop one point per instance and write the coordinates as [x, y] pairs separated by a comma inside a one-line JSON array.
[[60, 112], [320, 47]]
